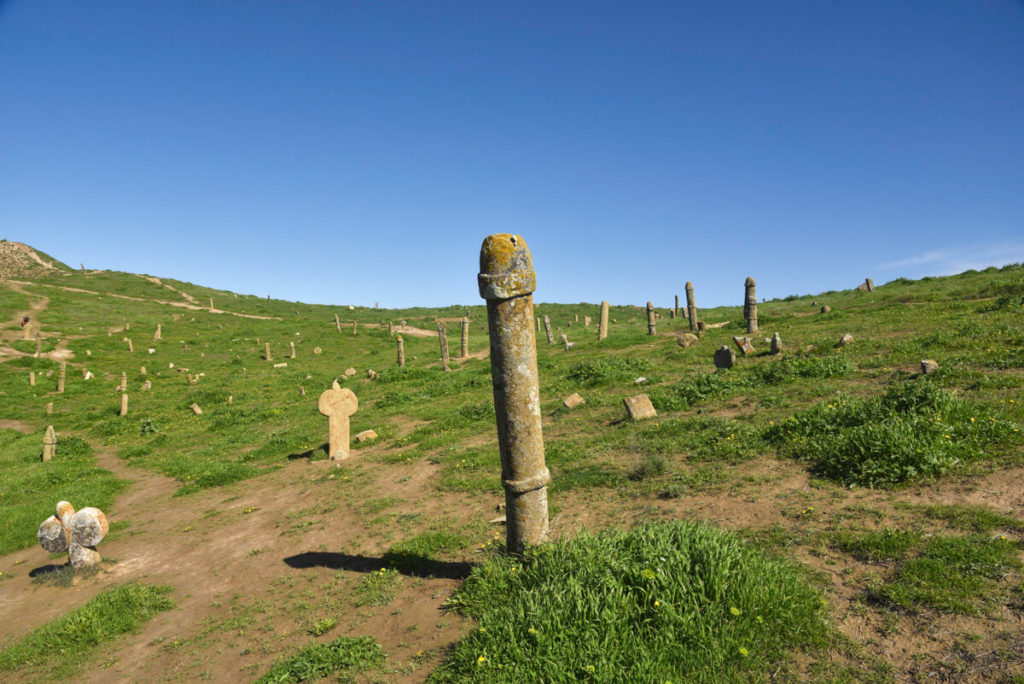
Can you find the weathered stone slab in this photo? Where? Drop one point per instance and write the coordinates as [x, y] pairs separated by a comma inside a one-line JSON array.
[[845, 340], [928, 366], [573, 400], [639, 407], [725, 357], [744, 345]]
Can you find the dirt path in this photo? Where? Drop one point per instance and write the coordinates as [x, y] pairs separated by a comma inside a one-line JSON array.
[[157, 281], [184, 305], [12, 330]]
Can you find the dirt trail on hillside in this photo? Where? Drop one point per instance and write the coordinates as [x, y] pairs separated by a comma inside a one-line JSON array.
[[184, 305], [234, 542], [157, 281], [11, 330]]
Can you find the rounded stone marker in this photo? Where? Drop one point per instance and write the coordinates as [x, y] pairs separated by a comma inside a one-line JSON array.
[[88, 526], [53, 536]]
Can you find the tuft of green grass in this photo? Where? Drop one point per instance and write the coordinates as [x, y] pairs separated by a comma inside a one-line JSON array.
[[344, 657], [321, 627], [973, 518], [879, 545], [607, 370], [683, 395], [912, 432], [792, 367], [62, 645], [953, 574], [679, 601], [418, 555], [378, 588]]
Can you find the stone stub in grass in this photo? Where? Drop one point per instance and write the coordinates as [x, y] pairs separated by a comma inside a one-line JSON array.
[[602, 323], [366, 435], [158, 334], [566, 343], [744, 345], [338, 404], [725, 357], [49, 408], [62, 376], [401, 351], [776, 344], [639, 407], [845, 340], [349, 372], [196, 410], [573, 400], [31, 378], [651, 319], [124, 405], [77, 533], [586, 321], [687, 340], [867, 286], [928, 367], [49, 444], [825, 309]]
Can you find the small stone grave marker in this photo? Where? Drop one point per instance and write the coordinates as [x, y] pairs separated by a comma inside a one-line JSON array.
[[49, 444], [573, 400], [338, 404], [639, 407], [687, 340], [366, 435], [928, 366], [725, 357], [744, 345]]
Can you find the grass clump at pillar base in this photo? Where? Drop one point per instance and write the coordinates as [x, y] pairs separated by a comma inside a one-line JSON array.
[[63, 644], [345, 656], [914, 431], [678, 601]]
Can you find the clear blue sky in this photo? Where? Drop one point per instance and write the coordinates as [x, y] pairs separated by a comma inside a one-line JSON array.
[[339, 153]]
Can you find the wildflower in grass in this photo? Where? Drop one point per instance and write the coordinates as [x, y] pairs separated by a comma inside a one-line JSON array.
[[657, 604], [735, 611], [744, 652], [647, 573], [760, 619], [481, 660], [532, 631], [589, 668]]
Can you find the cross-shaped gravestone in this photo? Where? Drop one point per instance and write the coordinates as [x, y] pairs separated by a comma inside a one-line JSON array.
[[338, 403], [77, 533]]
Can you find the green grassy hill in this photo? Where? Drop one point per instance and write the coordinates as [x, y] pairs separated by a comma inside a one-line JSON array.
[[891, 496]]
